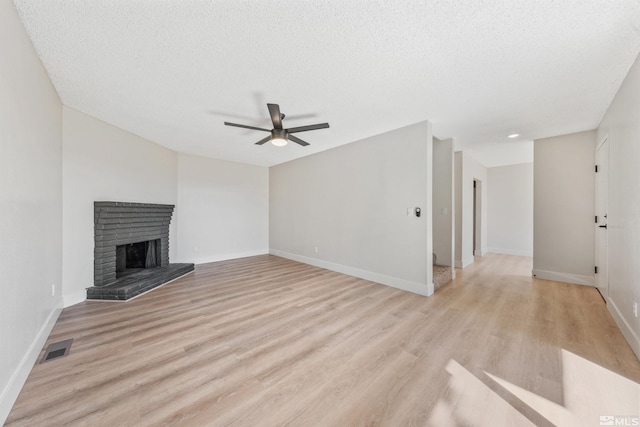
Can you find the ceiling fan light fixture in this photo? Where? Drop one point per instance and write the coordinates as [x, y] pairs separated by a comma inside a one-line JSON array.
[[279, 142], [280, 136]]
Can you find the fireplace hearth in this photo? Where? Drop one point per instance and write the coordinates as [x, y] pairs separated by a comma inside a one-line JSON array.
[[131, 253]]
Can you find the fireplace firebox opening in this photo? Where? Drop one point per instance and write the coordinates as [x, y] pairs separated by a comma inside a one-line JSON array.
[[135, 256]]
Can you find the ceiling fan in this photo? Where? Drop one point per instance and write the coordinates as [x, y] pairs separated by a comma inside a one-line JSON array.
[[280, 136]]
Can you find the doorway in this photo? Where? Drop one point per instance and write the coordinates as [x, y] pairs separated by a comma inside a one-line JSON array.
[[477, 217], [602, 218]]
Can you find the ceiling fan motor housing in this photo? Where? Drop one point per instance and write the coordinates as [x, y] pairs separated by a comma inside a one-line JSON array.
[[279, 134]]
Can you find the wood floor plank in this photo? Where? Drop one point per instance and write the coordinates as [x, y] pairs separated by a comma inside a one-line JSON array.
[[269, 341]]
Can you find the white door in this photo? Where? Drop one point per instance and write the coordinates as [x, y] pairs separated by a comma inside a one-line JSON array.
[[602, 220]]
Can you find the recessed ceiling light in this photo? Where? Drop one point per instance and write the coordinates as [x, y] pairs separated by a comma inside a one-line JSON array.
[[514, 135]]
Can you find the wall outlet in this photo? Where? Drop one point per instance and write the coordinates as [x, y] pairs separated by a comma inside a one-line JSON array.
[[315, 248], [53, 290], [635, 309]]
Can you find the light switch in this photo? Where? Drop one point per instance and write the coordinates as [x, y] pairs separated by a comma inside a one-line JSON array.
[[444, 211]]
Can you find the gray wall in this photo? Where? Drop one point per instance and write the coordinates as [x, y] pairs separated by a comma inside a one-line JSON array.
[[621, 125], [443, 206], [510, 209], [564, 208], [30, 206], [351, 204]]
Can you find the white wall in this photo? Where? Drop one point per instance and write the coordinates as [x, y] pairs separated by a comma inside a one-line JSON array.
[[443, 201], [510, 209], [102, 162], [222, 210], [467, 169], [564, 208], [621, 125], [351, 204], [30, 206]]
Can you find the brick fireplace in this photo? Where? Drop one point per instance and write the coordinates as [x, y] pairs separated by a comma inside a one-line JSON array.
[[131, 252]]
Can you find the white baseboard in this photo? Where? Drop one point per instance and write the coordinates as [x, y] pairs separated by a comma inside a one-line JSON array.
[[12, 389], [463, 264], [624, 327], [506, 251], [431, 288], [479, 253], [565, 277], [74, 298], [394, 282], [224, 257]]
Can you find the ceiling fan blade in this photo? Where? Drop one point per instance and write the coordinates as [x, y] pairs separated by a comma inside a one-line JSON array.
[[300, 116], [276, 117], [263, 140], [309, 127], [298, 140], [246, 127]]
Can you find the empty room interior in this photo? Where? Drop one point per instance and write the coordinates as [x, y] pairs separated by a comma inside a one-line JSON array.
[[319, 213]]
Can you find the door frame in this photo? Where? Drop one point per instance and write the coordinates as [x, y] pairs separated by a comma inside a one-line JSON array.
[[477, 218], [602, 236]]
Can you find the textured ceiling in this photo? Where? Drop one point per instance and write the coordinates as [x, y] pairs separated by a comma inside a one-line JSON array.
[[174, 71]]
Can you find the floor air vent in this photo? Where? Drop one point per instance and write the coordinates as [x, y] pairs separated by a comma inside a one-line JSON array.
[[57, 350]]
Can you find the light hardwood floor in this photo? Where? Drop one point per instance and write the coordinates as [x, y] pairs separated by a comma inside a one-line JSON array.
[[268, 341]]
